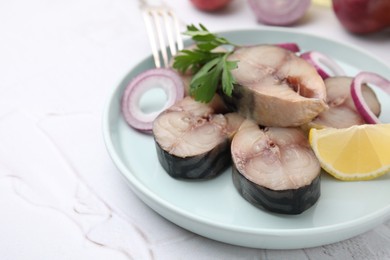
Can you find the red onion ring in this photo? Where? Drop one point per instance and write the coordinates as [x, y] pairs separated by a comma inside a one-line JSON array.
[[318, 60], [279, 12], [289, 46], [166, 79], [357, 96]]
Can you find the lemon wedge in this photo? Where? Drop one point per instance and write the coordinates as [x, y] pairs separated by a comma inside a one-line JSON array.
[[360, 152]]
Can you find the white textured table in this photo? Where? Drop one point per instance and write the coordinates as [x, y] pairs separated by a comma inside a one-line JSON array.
[[61, 197]]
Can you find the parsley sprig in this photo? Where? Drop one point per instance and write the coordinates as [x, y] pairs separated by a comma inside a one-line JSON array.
[[211, 68]]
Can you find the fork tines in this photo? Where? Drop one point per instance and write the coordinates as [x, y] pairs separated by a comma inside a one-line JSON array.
[[162, 25]]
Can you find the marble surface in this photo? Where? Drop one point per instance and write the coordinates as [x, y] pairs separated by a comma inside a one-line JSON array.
[[61, 197]]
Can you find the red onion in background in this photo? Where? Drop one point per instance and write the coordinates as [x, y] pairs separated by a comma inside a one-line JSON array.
[[279, 12]]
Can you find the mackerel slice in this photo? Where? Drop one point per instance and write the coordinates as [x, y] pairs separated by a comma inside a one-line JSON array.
[[275, 87], [342, 112], [193, 141], [275, 169]]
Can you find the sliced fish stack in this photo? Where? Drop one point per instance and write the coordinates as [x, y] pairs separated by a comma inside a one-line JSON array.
[[273, 165]]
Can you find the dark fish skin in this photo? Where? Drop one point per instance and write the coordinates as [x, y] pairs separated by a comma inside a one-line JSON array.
[[200, 167], [290, 201]]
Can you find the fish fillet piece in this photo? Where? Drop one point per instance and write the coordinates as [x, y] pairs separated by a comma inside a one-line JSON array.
[[275, 168], [342, 111], [275, 87], [192, 141]]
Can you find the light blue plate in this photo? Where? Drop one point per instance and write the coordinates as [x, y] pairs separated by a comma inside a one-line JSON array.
[[215, 210]]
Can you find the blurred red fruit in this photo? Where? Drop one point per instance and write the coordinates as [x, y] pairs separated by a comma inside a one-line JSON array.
[[210, 5], [363, 16]]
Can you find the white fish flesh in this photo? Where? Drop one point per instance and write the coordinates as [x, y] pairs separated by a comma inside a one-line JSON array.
[[342, 112], [275, 87]]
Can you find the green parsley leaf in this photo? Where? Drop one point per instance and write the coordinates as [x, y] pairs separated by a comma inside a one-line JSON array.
[[192, 59], [211, 68], [227, 77], [204, 83], [204, 39]]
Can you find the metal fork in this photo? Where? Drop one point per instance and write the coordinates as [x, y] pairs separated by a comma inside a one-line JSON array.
[[161, 25]]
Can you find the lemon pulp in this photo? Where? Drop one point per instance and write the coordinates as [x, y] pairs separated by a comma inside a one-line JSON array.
[[355, 153]]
